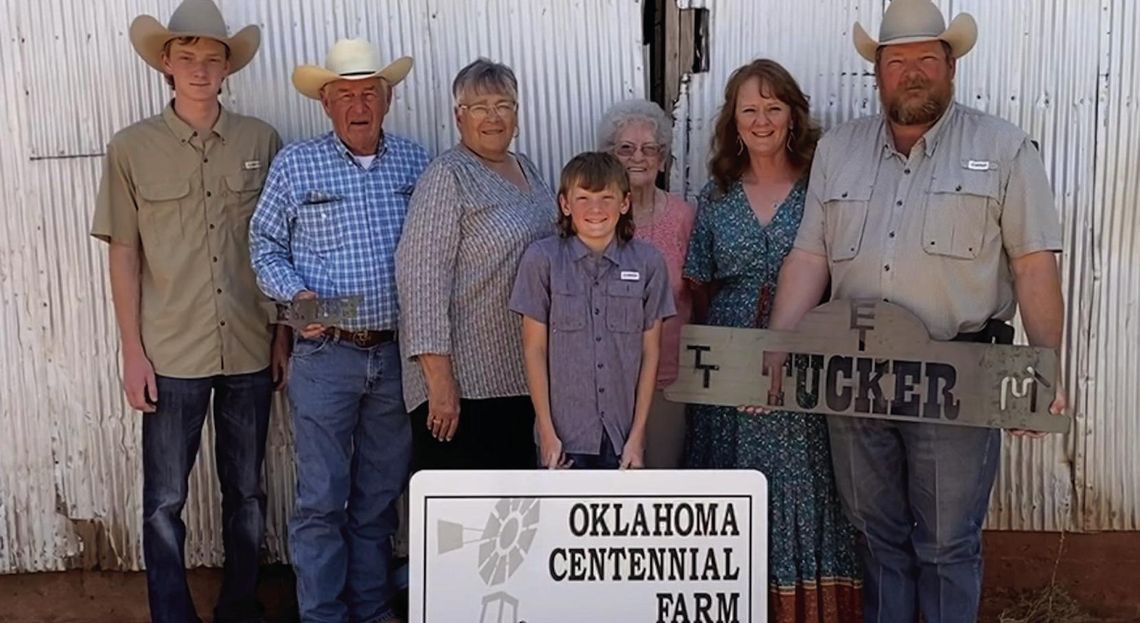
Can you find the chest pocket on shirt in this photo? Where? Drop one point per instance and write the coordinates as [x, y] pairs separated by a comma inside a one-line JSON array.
[[160, 211], [624, 306], [243, 190], [321, 222], [567, 310], [957, 209], [844, 218]]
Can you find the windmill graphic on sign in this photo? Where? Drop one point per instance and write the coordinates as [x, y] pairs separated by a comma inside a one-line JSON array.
[[503, 544]]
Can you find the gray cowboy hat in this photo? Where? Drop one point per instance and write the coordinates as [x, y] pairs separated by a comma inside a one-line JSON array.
[[193, 18], [914, 21]]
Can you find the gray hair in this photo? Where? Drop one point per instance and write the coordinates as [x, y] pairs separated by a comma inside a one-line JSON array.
[[635, 111], [485, 76]]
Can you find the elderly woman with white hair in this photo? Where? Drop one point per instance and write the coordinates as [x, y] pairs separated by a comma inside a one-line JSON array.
[[640, 134], [473, 212]]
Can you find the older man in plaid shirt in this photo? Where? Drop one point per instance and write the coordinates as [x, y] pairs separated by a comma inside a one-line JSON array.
[[327, 225]]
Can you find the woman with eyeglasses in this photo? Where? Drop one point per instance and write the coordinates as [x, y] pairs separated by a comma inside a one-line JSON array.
[[639, 134], [473, 212]]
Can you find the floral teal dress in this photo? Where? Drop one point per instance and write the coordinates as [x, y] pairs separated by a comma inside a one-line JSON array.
[[813, 570]]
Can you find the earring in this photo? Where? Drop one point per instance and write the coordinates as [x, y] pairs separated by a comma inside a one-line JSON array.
[[740, 141]]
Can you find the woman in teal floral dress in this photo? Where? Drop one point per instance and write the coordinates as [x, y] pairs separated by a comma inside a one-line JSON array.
[[747, 218]]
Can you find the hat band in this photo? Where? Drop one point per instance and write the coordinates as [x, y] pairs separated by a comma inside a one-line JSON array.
[[915, 34]]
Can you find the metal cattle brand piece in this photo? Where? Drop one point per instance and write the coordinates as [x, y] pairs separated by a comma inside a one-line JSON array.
[[870, 359], [327, 311]]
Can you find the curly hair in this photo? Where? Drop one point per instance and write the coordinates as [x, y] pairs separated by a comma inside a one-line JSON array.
[[635, 111], [727, 163], [594, 171]]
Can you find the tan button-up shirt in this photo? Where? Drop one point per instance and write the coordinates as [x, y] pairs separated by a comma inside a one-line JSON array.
[[933, 231], [185, 201]]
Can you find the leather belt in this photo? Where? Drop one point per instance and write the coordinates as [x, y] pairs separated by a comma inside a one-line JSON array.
[[361, 339]]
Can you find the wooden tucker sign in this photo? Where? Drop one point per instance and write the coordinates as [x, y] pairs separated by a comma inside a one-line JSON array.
[[326, 311], [870, 359]]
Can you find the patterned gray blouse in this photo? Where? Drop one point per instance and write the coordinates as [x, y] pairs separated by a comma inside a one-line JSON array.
[[466, 229]]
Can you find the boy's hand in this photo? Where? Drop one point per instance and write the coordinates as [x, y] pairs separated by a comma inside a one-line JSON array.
[[633, 454], [550, 449]]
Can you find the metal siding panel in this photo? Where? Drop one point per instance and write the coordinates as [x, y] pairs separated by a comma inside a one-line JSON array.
[[70, 461], [1110, 465]]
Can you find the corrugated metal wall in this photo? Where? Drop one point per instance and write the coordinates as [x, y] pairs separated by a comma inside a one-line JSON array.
[[69, 455], [69, 448], [1066, 72]]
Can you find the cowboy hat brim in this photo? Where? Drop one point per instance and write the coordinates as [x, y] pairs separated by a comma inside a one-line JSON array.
[[961, 35], [148, 36], [310, 79]]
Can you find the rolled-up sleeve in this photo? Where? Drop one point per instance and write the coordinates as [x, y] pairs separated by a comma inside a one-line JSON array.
[[425, 262], [270, 236], [1029, 221], [810, 236], [530, 295]]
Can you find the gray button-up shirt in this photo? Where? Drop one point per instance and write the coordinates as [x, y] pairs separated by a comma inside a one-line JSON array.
[[933, 231], [596, 309]]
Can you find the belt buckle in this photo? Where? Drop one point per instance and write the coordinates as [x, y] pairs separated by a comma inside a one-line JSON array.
[[360, 338]]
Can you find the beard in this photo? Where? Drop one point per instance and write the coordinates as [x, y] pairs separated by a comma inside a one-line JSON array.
[[918, 101]]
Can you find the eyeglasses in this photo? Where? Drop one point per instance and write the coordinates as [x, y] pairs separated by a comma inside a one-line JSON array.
[[482, 111], [651, 150]]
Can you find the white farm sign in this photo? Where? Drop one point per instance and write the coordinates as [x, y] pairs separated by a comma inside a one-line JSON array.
[[600, 546]]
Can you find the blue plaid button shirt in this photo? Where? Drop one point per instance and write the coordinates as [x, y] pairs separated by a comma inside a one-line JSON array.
[[325, 223]]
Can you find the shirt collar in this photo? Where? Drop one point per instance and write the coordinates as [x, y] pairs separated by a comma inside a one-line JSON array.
[[580, 250], [929, 140], [182, 130], [342, 149]]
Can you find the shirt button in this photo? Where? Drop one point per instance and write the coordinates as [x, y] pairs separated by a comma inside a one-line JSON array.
[[219, 290], [215, 259], [211, 225], [205, 159], [844, 195], [601, 390], [892, 234], [223, 323], [597, 311], [906, 171], [887, 267], [958, 188], [899, 202], [886, 300], [598, 339], [600, 366], [209, 194]]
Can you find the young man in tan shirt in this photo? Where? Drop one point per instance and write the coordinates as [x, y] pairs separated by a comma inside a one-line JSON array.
[[174, 205]]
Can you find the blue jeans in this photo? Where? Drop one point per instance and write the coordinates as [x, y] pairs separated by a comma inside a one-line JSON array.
[[353, 450], [918, 493], [171, 436]]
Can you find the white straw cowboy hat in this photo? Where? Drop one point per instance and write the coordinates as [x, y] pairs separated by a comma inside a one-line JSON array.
[[193, 18], [349, 59], [914, 21]]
